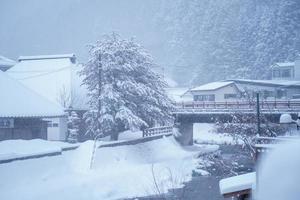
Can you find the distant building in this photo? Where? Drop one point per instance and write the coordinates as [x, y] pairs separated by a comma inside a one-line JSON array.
[[6, 63], [286, 71], [56, 78], [22, 111], [285, 85], [216, 91], [270, 89]]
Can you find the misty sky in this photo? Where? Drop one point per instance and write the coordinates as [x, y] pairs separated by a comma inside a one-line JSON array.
[[35, 27]]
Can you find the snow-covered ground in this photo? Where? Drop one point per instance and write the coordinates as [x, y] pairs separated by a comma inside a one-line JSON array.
[[11, 149], [204, 133], [118, 172]]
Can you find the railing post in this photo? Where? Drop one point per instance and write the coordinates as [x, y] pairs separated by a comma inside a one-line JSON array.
[[289, 104]]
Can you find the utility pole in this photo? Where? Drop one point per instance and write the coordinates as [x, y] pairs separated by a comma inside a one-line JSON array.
[[258, 114], [99, 94], [98, 131]]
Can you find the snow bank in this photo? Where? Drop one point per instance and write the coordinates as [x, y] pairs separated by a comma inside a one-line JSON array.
[[279, 172], [238, 183], [118, 172], [204, 133], [12, 149]]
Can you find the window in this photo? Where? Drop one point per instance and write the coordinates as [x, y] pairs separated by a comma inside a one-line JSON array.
[[267, 93], [281, 93], [296, 96], [208, 97], [230, 96], [55, 124], [49, 124], [276, 73], [286, 73]]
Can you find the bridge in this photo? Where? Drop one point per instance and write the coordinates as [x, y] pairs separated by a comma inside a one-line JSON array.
[[188, 113]]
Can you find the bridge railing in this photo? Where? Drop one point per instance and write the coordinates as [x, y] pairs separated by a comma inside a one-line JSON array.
[[157, 131], [249, 105]]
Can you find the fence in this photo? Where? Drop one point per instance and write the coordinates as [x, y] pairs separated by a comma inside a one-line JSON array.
[[158, 131], [250, 105]]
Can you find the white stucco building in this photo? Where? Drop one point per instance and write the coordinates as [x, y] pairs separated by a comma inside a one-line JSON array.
[[56, 78]]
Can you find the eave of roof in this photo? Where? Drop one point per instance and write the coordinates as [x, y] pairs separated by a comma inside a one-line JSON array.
[[202, 87], [296, 84], [42, 57]]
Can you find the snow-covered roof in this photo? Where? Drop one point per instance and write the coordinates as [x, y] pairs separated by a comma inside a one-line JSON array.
[[16, 100], [286, 83], [238, 183], [284, 64], [41, 57], [178, 94], [50, 76], [6, 62], [212, 86]]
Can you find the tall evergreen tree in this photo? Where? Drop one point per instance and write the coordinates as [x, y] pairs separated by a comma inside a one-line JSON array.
[[124, 92]]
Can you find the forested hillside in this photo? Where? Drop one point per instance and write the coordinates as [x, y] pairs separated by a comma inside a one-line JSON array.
[[221, 39]]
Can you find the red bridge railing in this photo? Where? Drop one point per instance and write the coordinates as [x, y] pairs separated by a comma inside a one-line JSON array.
[[240, 105]]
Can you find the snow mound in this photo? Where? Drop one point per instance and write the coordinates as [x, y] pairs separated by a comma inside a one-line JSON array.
[[279, 173], [154, 151], [81, 160]]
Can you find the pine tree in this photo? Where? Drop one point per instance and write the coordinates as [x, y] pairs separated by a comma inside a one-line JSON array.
[[124, 93]]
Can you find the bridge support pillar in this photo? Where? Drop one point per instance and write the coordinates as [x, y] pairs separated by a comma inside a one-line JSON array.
[[186, 134]]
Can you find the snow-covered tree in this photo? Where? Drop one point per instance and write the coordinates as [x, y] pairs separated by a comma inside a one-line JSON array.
[[243, 127], [73, 127], [124, 92]]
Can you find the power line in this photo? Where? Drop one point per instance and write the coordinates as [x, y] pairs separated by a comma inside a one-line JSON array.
[[44, 74]]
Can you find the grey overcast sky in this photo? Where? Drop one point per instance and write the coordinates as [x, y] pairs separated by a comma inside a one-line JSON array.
[[35, 27]]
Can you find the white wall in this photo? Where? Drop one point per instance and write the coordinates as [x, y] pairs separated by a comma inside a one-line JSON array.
[[58, 133]]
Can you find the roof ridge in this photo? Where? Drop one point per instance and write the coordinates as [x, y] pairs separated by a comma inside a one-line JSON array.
[[42, 57]]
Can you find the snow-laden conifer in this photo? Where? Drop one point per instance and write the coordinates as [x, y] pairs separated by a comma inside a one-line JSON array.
[[125, 93]]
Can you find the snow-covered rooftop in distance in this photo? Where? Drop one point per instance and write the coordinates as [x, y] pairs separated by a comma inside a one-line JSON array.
[[284, 64], [6, 61], [178, 94], [238, 183], [41, 57], [212, 86], [286, 83], [19, 101]]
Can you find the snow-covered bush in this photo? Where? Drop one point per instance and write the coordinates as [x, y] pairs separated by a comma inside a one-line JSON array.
[[73, 127], [124, 92], [244, 127]]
